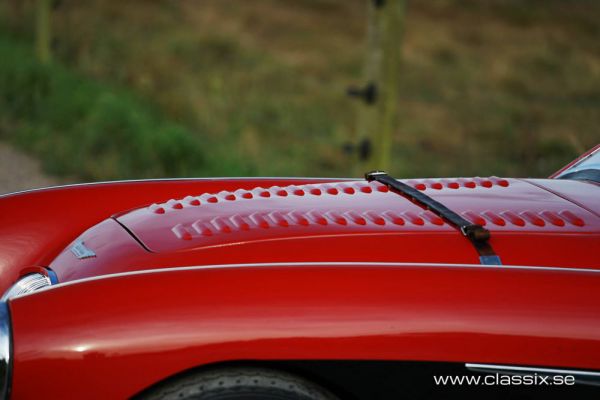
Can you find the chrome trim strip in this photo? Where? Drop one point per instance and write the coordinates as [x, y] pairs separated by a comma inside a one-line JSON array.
[[582, 377], [333, 264], [5, 351]]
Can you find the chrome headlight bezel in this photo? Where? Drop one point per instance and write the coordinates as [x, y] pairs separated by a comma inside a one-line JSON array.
[[28, 284], [5, 351]]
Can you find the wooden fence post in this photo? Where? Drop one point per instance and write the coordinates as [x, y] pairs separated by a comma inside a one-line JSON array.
[[43, 36], [392, 19], [377, 116]]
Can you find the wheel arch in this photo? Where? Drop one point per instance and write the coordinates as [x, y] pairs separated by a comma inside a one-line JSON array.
[[346, 379]]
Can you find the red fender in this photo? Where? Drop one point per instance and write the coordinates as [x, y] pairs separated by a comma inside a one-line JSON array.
[[133, 330], [35, 226]]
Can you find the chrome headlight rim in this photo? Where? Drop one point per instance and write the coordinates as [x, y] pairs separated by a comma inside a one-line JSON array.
[[5, 351], [30, 283], [26, 284]]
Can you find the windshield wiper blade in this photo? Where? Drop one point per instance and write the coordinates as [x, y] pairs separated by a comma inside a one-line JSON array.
[[476, 234]]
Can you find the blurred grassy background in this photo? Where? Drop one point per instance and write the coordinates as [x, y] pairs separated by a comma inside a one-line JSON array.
[[229, 88]]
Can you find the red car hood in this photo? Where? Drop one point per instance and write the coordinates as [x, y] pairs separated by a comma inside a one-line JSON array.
[[535, 222]]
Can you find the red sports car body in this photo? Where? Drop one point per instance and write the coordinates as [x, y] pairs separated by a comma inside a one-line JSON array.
[[123, 286]]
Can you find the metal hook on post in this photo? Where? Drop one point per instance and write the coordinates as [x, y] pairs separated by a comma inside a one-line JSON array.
[[368, 93]]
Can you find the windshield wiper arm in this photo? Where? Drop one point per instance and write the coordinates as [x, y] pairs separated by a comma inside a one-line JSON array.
[[477, 234]]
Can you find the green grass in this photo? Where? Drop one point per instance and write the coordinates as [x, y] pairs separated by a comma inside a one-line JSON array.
[[81, 128], [501, 87]]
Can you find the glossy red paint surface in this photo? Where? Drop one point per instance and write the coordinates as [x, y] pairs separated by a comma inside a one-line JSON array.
[[36, 226], [343, 221], [121, 334], [573, 192], [347, 208], [152, 320]]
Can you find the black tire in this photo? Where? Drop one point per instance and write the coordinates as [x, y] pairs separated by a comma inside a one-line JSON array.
[[243, 383]]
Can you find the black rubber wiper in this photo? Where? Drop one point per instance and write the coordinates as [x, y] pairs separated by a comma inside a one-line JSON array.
[[477, 234]]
